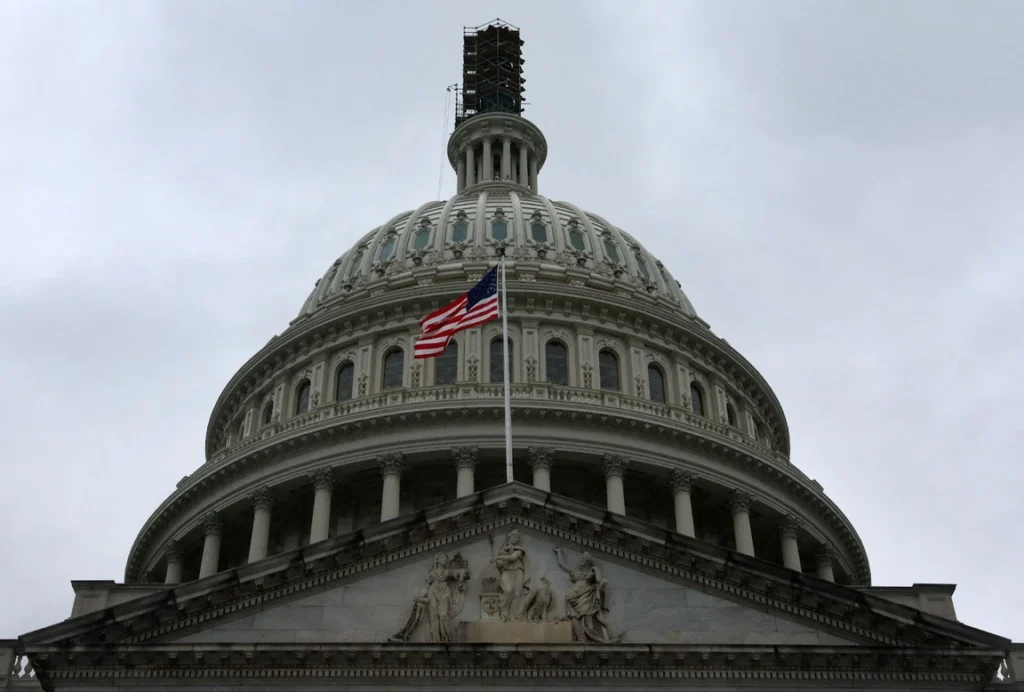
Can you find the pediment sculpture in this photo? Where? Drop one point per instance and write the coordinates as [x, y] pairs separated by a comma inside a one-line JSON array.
[[440, 601]]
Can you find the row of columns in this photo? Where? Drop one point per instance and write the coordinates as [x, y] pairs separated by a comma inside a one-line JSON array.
[[465, 459], [467, 169]]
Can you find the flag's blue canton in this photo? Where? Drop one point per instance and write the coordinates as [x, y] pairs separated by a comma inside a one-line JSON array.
[[487, 288]]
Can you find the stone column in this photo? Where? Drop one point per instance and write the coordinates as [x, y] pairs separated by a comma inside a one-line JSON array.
[[460, 171], [259, 540], [739, 503], [790, 548], [323, 488], [533, 172], [614, 470], [174, 564], [470, 166], [488, 161], [825, 563], [390, 499], [212, 528], [506, 158], [540, 462], [465, 465], [524, 169], [681, 484]]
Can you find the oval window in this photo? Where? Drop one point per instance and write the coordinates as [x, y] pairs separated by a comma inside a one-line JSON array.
[[386, 249]]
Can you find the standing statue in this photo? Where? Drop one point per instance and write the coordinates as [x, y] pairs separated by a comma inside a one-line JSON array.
[[510, 562], [585, 601], [440, 601]]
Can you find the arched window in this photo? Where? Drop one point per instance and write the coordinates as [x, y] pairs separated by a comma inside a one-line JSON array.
[[611, 251], [446, 365], [421, 238], [498, 359], [697, 399], [641, 266], [240, 432], [343, 381], [539, 232], [655, 384], [556, 362], [576, 239], [499, 230], [460, 232], [609, 366], [730, 414], [387, 248], [268, 412], [357, 263], [394, 369], [302, 397]]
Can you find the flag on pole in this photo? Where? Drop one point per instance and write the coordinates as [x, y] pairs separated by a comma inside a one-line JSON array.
[[476, 307]]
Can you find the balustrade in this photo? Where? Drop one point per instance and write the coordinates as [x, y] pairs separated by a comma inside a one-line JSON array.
[[14, 667]]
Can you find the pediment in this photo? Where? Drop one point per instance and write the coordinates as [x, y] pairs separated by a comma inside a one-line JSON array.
[[661, 587]]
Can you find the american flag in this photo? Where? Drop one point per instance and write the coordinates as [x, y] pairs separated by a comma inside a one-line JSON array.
[[471, 310]]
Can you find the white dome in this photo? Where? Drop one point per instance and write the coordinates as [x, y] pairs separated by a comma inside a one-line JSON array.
[[547, 240]]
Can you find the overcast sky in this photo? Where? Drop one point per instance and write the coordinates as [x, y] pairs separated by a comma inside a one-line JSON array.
[[837, 185]]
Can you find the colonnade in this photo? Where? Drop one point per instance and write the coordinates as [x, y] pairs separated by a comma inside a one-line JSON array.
[[465, 461], [470, 172]]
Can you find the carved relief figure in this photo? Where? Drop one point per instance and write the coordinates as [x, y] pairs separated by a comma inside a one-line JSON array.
[[585, 601], [440, 601], [510, 561], [538, 603]]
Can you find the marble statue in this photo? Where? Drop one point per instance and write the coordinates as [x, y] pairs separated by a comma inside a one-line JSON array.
[[537, 604], [510, 562], [585, 602], [440, 601]]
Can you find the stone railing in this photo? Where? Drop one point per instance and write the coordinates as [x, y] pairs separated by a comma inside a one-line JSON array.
[[613, 402], [15, 669]]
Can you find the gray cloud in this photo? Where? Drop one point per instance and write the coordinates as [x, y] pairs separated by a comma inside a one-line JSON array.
[[836, 185]]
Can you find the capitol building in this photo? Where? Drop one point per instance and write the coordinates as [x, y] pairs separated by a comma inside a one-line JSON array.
[[352, 527]]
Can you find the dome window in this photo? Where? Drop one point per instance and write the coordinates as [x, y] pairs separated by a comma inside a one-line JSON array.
[[394, 369], [608, 363], [655, 384], [343, 381], [387, 248], [611, 251], [539, 232], [576, 238], [421, 238], [302, 397], [641, 266], [268, 412], [460, 232], [357, 263], [697, 399], [498, 361], [499, 230], [556, 362], [446, 366], [730, 414]]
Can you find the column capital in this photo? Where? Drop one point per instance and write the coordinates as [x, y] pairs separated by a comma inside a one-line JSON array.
[[682, 482], [465, 457], [390, 464], [825, 555], [614, 465], [541, 457], [173, 552], [213, 524], [322, 479], [789, 526], [739, 501], [261, 498]]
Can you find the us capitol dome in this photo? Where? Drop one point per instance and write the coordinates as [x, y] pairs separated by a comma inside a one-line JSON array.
[[353, 514]]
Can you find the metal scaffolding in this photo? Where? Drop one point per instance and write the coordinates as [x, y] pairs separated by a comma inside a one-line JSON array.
[[492, 71]]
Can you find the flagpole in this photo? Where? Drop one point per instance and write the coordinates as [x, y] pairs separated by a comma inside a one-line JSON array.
[[508, 390]]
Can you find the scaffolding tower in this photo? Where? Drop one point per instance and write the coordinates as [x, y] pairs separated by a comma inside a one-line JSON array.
[[492, 71]]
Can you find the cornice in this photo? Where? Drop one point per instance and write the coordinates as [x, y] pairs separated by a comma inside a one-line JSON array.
[[654, 318]]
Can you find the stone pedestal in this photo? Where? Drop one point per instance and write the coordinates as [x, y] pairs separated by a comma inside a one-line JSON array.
[[498, 632]]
